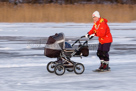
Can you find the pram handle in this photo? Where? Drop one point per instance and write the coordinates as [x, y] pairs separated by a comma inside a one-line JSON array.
[[84, 36], [75, 42], [91, 37], [78, 40]]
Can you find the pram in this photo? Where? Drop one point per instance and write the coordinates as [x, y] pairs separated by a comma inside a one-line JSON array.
[[56, 47]]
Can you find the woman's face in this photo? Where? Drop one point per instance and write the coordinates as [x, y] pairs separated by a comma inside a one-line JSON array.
[[95, 19]]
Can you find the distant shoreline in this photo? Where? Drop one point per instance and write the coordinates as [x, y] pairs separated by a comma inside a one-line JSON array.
[[78, 13]]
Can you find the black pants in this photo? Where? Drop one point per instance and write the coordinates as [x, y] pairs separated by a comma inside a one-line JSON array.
[[103, 50]]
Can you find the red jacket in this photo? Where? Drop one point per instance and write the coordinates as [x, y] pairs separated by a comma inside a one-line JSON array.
[[101, 30]]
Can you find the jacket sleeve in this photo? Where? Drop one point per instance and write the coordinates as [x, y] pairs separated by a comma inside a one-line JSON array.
[[91, 31], [101, 31]]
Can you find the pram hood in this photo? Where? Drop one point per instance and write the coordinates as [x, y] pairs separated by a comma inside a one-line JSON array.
[[56, 42]]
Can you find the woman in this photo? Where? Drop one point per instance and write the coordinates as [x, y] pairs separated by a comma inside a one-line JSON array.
[[102, 31]]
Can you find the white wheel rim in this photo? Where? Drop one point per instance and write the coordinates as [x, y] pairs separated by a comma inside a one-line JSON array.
[[51, 66], [60, 69], [79, 68]]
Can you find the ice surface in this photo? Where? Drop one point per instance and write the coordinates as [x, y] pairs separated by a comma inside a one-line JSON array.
[[23, 65]]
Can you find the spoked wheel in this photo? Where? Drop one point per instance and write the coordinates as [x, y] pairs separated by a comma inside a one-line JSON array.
[[59, 69], [79, 68], [50, 67]]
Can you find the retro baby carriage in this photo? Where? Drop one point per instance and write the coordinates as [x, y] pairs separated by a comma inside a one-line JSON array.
[[56, 47]]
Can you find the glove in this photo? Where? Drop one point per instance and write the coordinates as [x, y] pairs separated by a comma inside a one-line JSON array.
[[87, 35], [91, 35]]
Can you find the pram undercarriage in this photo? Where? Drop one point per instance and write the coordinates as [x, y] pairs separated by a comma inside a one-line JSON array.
[[63, 61], [60, 67]]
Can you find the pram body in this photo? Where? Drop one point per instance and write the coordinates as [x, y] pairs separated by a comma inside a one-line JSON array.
[[56, 47]]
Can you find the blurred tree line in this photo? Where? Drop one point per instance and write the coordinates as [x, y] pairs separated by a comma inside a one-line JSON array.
[[72, 1]]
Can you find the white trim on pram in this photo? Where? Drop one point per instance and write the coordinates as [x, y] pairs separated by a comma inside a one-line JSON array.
[[57, 44], [63, 40], [54, 46]]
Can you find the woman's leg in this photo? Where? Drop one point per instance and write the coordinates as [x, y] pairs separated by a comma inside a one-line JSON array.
[[100, 55], [106, 49], [100, 51]]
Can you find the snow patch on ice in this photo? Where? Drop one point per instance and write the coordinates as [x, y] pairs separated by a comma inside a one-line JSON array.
[[93, 57], [6, 48], [28, 47], [21, 65]]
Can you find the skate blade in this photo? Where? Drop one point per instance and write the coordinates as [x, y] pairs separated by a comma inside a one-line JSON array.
[[101, 70]]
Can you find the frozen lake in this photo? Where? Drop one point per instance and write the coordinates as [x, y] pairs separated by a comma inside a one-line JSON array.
[[23, 65]]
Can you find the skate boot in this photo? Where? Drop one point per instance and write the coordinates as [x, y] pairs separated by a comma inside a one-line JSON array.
[[106, 66], [101, 64]]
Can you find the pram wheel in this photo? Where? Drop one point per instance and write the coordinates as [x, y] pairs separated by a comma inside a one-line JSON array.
[[79, 68], [59, 69], [50, 67]]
